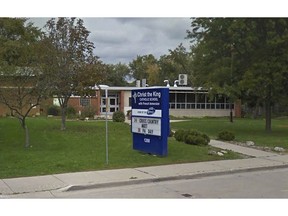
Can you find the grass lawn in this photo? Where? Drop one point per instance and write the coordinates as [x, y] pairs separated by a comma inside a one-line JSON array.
[[244, 129], [82, 147]]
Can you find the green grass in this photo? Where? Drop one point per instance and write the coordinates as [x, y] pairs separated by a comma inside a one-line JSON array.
[[244, 129], [82, 148]]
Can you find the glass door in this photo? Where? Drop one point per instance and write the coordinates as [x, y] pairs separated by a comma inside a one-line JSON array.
[[113, 105]]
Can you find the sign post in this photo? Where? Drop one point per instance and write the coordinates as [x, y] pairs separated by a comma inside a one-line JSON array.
[[150, 120]]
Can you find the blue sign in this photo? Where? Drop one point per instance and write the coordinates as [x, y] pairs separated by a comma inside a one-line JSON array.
[[150, 120]]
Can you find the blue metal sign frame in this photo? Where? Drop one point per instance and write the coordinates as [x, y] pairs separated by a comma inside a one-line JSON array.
[[150, 123]]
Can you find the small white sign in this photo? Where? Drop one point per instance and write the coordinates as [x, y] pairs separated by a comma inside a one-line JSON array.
[[145, 112], [146, 126]]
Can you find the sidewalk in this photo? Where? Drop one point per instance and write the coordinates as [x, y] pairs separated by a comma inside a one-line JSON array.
[[108, 178]]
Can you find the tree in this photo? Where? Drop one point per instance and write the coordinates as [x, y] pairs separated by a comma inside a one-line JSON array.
[[116, 75], [22, 83], [142, 68], [269, 62], [178, 61], [242, 57], [67, 57]]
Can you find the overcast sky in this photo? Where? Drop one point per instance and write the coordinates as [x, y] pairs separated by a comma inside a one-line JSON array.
[[122, 39]]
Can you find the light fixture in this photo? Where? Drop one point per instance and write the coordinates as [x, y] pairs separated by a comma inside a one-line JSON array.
[[167, 83], [175, 83]]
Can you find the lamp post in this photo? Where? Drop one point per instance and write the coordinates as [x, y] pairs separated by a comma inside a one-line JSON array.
[[105, 87], [231, 81]]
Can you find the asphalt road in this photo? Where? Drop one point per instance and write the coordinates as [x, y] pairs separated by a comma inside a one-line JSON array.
[[260, 184]]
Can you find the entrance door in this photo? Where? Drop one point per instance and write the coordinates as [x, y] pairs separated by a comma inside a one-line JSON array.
[[112, 105]]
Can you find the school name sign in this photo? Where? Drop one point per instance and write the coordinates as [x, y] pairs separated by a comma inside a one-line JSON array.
[[150, 120]]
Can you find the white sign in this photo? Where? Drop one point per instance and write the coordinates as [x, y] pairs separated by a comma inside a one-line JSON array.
[[146, 126], [145, 112]]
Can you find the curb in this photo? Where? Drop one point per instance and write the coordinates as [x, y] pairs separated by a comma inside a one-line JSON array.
[[170, 178]]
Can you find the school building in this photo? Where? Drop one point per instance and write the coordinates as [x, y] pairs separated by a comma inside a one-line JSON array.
[[183, 101]]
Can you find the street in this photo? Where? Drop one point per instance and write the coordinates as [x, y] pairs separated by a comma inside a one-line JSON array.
[[263, 184], [260, 184]]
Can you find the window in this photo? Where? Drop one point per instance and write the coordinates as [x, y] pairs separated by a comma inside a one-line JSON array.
[[84, 101], [181, 98], [172, 100], [172, 97], [191, 98], [198, 100]]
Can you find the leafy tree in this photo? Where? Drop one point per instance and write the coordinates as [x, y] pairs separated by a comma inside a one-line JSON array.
[[88, 75], [69, 54], [178, 61], [143, 67], [243, 57], [22, 83], [116, 75]]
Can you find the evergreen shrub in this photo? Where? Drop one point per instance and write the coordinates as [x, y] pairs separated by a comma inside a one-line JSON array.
[[71, 112], [226, 136], [192, 137], [118, 116], [88, 112], [53, 110]]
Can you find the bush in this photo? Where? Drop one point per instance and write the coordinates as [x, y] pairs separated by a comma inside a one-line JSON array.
[[71, 112], [226, 136], [88, 112], [193, 137], [198, 138], [206, 137], [195, 140], [171, 133], [179, 135], [118, 116], [53, 110]]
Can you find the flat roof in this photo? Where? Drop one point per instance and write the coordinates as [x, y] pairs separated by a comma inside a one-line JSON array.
[[129, 88]]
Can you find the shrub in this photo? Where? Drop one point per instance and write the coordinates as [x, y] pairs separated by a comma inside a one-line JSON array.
[[88, 111], [171, 133], [179, 135], [118, 116], [226, 136], [53, 110], [193, 137], [206, 137], [71, 112], [195, 140], [199, 138]]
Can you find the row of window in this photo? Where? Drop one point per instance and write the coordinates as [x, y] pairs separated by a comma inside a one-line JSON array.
[[190, 100], [176, 101], [201, 106]]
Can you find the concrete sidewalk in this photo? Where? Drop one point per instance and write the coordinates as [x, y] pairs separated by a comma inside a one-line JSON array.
[[108, 178]]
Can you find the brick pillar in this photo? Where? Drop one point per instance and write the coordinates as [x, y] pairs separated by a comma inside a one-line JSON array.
[[121, 102], [237, 108], [98, 101]]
